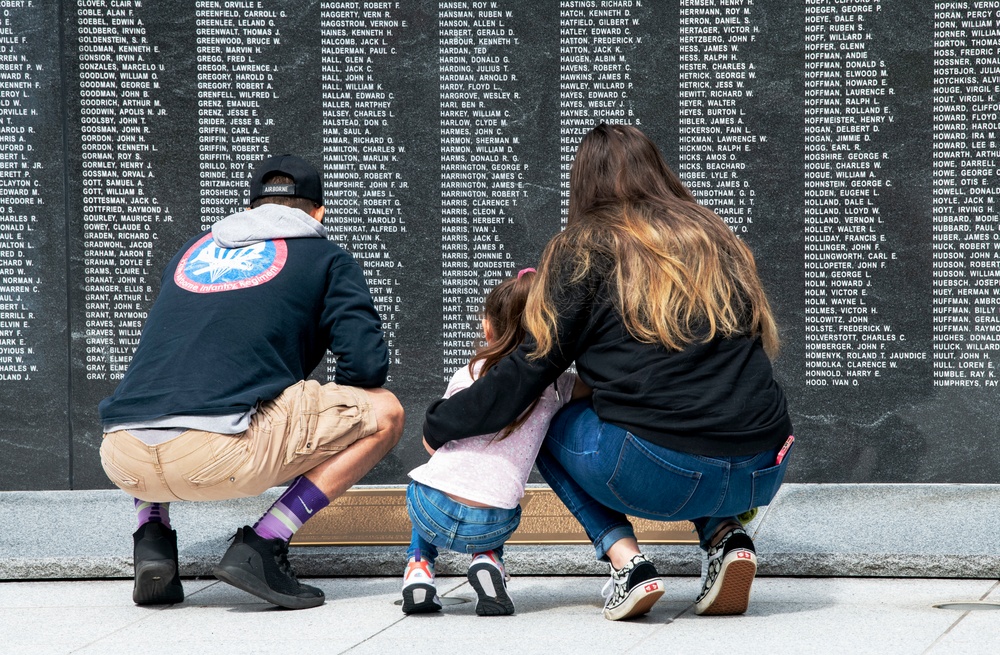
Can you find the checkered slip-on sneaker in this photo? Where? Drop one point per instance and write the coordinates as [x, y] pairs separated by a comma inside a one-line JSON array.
[[732, 565], [632, 590]]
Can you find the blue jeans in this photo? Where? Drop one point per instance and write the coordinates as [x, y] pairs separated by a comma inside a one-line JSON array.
[[602, 472], [440, 522]]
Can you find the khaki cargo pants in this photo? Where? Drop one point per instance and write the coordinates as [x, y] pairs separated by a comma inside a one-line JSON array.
[[288, 436]]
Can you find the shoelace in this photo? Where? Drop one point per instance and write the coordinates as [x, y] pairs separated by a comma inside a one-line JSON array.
[[609, 588]]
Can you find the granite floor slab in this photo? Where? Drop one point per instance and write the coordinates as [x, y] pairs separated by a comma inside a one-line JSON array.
[[555, 615]]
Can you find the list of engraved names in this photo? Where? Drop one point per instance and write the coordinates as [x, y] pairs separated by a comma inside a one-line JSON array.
[[966, 188], [716, 81], [481, 166], [596, 38], [21, 198], [235, 79], [119, 91], [364, 150], [848, 100]]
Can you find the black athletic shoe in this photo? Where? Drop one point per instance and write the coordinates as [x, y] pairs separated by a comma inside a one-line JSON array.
[[260, 567], [632, 590], [154, 555]]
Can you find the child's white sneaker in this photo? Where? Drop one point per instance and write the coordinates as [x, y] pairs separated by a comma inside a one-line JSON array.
[[489, 578], [419, 593]]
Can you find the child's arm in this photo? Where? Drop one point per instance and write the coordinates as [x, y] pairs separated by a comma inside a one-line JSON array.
[[427, 447], [580, 390]]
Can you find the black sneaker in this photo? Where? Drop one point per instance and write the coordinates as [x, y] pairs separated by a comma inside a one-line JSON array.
[[154, 555], [732, 565], [260, 567], [633, 589]]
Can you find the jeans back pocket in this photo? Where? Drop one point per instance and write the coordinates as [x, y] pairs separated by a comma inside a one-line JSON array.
[[649, 485], [767, 481]]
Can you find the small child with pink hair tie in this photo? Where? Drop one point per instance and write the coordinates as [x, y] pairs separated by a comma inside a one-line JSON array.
[[466, 498]]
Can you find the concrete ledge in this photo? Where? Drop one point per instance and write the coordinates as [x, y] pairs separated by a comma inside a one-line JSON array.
[[901, 530], [809, 530]]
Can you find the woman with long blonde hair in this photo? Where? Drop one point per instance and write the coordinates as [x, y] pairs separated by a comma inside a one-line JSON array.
[[661, 308]]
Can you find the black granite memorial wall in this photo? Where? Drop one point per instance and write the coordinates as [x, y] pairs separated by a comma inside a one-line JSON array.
[[854, 144]]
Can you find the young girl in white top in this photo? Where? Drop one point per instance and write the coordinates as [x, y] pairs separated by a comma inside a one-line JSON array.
[[466, 497]]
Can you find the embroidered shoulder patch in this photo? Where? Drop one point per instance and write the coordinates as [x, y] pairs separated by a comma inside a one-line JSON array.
[[208, 268]]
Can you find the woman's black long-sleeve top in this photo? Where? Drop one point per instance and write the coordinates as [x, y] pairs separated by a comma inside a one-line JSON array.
[[717, 399]]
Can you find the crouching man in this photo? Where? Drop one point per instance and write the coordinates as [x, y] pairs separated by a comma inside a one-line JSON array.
[[216, 405]]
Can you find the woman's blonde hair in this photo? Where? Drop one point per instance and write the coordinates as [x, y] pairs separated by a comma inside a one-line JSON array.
[[676, 273]]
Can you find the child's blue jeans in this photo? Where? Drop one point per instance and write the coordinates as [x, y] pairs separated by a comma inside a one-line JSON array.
[[440, 522]]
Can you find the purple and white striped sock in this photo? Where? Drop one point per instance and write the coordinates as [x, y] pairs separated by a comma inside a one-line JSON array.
[[147, 512], [297, 505]]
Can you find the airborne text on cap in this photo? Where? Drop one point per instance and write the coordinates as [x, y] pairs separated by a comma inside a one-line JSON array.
[[278, 190]]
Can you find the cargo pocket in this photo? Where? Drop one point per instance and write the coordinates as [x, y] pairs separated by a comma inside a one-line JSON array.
[[124, 480], [649, 484], [223, 464], [324, 418]]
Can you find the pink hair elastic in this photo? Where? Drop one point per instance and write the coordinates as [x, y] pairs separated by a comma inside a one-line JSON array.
[[525, 270]]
